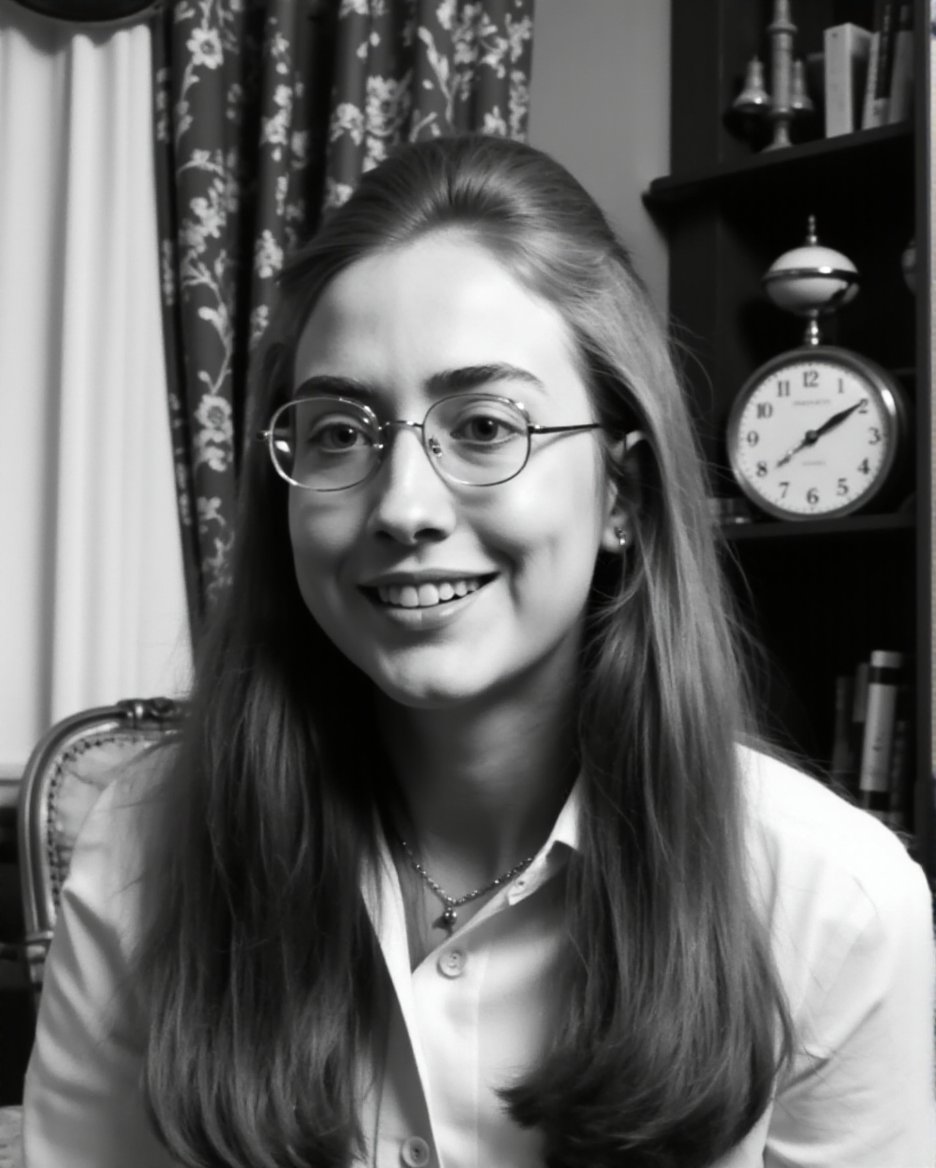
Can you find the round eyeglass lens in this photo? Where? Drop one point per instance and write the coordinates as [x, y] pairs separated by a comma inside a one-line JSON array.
[[325, 443], [477, 439]]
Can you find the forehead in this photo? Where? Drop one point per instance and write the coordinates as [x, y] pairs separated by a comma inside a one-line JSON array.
[[398, 317]]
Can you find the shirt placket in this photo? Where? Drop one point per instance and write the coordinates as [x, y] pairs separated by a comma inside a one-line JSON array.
[[424, 1109]]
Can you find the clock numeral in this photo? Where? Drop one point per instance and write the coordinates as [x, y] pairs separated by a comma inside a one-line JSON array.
[[783, 388], [810, 378], [752, 437], [841, 387], [842, 488], [812, 495], [864, 467], [761, 469], [875, 436], [784, 487], [865, 404], [764, 410]]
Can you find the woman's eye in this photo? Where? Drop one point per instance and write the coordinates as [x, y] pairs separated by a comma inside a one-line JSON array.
[[485, 429], [337, 436]]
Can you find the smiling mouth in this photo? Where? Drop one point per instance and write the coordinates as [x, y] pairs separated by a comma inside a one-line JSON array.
[[427, 594]]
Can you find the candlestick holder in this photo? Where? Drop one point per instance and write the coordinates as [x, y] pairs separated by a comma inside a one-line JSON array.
[[781, 31]]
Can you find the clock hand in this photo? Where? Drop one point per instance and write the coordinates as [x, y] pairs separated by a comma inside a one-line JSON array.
[[813, 436], [836, 420]]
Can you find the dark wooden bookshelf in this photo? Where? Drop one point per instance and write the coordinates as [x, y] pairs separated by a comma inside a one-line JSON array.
[[820, 595]]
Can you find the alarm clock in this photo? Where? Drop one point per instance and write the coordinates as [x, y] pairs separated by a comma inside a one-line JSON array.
[[816, 433]]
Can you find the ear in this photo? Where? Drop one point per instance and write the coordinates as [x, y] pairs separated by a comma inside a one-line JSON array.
[[623, 492]]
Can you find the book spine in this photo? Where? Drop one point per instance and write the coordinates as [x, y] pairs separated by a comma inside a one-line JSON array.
[[846, 49], [842, 765], [880, 95], [859, 713], [900, 101], [868, 113], [874, 777], [900, 773]]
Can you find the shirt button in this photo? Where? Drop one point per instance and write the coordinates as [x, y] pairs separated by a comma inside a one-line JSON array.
[[414, 1152], [452, 963]]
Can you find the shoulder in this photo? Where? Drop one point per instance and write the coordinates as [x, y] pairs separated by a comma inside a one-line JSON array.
[[82, 1103], [114, 846], [796, 821], [134, 786], [827, 875], [130, 797]]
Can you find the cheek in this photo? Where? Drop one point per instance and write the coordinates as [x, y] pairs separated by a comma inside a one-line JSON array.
[[319, 528], [320, 537], [555, 522]]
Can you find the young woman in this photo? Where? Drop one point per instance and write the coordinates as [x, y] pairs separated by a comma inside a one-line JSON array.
[[461, 859]]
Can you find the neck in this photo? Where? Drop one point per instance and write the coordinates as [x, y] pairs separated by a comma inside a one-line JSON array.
[[482, 788]]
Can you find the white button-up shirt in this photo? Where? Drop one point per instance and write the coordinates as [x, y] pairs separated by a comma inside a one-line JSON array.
[[849, 917]]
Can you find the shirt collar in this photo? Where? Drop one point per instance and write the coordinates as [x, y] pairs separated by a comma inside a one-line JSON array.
[[567, 828]]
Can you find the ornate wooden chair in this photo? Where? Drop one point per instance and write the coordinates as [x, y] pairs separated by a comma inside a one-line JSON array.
[[67, 770]]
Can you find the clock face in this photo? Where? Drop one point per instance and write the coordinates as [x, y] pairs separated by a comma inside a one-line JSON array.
[[814, 434]]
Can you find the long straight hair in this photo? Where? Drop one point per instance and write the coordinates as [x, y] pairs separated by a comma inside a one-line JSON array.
[[259, 965]]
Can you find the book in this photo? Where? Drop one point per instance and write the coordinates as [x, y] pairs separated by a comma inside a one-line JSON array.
[[880, 66], [885, 675], [846, 49], [842, 765], [900, 771], [900, 100], [858, 715]]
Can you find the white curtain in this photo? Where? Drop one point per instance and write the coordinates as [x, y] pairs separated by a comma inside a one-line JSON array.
[[92, 599]]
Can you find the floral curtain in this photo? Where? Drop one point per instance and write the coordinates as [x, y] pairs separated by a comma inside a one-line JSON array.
[[407, 71], [233, 112], [267, 113]]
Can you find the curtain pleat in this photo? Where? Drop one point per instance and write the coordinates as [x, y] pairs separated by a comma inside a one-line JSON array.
[[94, 600]]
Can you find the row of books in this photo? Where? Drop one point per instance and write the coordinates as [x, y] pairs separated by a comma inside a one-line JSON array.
[[871, 752], [868, 73]]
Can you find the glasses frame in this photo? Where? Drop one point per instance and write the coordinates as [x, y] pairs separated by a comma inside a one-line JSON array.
[[433, 451]]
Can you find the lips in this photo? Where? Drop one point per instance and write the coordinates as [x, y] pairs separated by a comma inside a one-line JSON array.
[[425, 593]]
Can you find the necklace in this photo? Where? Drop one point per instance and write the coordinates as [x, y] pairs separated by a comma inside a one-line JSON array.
[[453, 903]]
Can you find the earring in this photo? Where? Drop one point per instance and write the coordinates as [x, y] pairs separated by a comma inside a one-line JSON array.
[[621, 537]]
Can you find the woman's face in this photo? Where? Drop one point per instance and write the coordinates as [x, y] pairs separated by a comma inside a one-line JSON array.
[[442, 593]]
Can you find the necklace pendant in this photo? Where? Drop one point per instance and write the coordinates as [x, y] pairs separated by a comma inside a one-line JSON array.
[[448, 919]]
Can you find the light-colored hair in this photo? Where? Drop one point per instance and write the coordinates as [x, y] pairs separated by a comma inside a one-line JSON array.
[[261, 969]]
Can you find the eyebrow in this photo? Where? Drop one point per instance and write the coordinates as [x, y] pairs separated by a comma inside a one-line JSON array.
[[459, 380]]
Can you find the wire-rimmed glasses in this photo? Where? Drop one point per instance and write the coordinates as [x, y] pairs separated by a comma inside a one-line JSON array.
[[330, 443]]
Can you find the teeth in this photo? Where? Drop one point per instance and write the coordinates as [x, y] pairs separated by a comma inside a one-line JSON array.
[[426, 595]]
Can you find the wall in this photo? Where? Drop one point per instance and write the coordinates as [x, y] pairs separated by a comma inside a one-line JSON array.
[[600, 105]]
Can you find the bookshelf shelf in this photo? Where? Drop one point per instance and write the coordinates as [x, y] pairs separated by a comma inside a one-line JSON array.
[[859, 525], [866, 147]]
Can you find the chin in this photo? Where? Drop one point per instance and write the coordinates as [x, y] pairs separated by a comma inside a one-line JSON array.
[[426, 693]]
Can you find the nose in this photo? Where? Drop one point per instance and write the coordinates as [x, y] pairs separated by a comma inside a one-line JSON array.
[[412, 502]]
